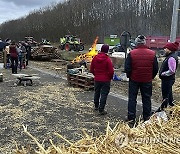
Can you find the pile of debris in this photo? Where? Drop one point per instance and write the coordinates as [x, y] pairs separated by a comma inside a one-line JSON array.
[[43, 52]]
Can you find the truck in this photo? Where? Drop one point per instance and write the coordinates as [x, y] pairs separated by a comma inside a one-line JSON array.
[[158, 42], [71, 42], [112, 40]]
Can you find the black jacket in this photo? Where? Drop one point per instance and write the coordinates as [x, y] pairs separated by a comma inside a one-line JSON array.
[[164, 67]]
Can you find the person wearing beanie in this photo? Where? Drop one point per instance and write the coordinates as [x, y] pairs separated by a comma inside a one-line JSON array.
[[141, 67], [102, 69], [141, 39], [167, 74]]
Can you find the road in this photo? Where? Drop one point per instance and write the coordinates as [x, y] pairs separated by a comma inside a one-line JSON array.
[[49, 106]]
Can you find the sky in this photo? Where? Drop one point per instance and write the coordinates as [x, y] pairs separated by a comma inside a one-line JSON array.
[[14, 9]]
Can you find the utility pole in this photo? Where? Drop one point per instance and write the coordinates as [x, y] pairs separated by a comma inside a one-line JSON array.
[[174, 21]]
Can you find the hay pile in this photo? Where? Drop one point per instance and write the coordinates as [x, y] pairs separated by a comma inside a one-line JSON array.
[[156, 137], [176, 87]]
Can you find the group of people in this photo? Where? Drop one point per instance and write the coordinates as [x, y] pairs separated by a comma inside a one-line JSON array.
[[17, 54], [141, 67]]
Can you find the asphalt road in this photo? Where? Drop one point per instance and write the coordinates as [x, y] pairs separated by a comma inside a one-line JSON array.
[[49, 106]]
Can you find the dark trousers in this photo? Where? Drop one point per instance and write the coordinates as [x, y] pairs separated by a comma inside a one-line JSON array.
[[100, 95], [146, 93], [20, 62], [27, 58], [14, 64], [166, 89]]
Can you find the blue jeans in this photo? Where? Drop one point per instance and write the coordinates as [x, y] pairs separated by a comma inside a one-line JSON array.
[[100, 95], [146, 93]]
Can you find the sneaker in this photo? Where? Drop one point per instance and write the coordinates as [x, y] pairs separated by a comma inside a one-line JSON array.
[[103, 112]]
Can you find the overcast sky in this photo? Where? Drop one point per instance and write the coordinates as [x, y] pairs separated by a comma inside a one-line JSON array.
[[13, 9]]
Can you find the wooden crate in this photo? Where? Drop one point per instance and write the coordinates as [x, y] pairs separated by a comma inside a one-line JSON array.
[[81, 80]]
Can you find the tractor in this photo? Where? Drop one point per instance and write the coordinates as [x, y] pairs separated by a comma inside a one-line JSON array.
[[70, 42]]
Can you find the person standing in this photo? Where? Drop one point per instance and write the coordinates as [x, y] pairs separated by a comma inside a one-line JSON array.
[[6, 51], [167, 74], [21, 55], [28, 51], [141, 67], [2, 45], [14, 57], [102, 69]]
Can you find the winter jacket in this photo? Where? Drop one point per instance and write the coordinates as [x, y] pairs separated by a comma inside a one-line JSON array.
[[13, 51], [165, 67], [102, 68], [141, 64], [2, 45]]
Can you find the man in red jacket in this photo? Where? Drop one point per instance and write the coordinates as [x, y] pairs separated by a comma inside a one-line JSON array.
[[102, 69], [141, 67]]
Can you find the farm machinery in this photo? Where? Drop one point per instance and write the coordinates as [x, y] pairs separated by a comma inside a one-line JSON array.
[[70, 42]]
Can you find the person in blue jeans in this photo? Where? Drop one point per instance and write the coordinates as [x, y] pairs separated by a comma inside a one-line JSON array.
[[102, 69], [141, 67], [167, 74]]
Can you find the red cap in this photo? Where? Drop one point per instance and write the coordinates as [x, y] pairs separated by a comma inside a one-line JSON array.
[[172, 46]]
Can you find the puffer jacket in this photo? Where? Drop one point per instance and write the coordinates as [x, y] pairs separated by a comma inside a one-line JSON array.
[[141, 64], [102, 68]]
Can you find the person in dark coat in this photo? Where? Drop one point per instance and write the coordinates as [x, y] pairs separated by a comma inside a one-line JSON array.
[[141, 67], [2, 45], [167, 74], [102, 69], [28, 52], [14, 57]]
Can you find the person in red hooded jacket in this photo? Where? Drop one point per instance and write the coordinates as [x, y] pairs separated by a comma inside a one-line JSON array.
[[102, 69]]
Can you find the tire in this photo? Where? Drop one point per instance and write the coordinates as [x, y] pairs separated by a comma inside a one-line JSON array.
[[161, 53], [67, 47], [81, 47], [62, 46], [76, 47]]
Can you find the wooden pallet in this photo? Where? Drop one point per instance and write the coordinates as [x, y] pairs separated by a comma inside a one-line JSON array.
[[81, 81]]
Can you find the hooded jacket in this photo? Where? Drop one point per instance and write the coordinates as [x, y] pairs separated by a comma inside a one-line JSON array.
[[102, 68]]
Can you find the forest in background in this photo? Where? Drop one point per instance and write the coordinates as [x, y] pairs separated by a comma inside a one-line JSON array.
[[90, 18]]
